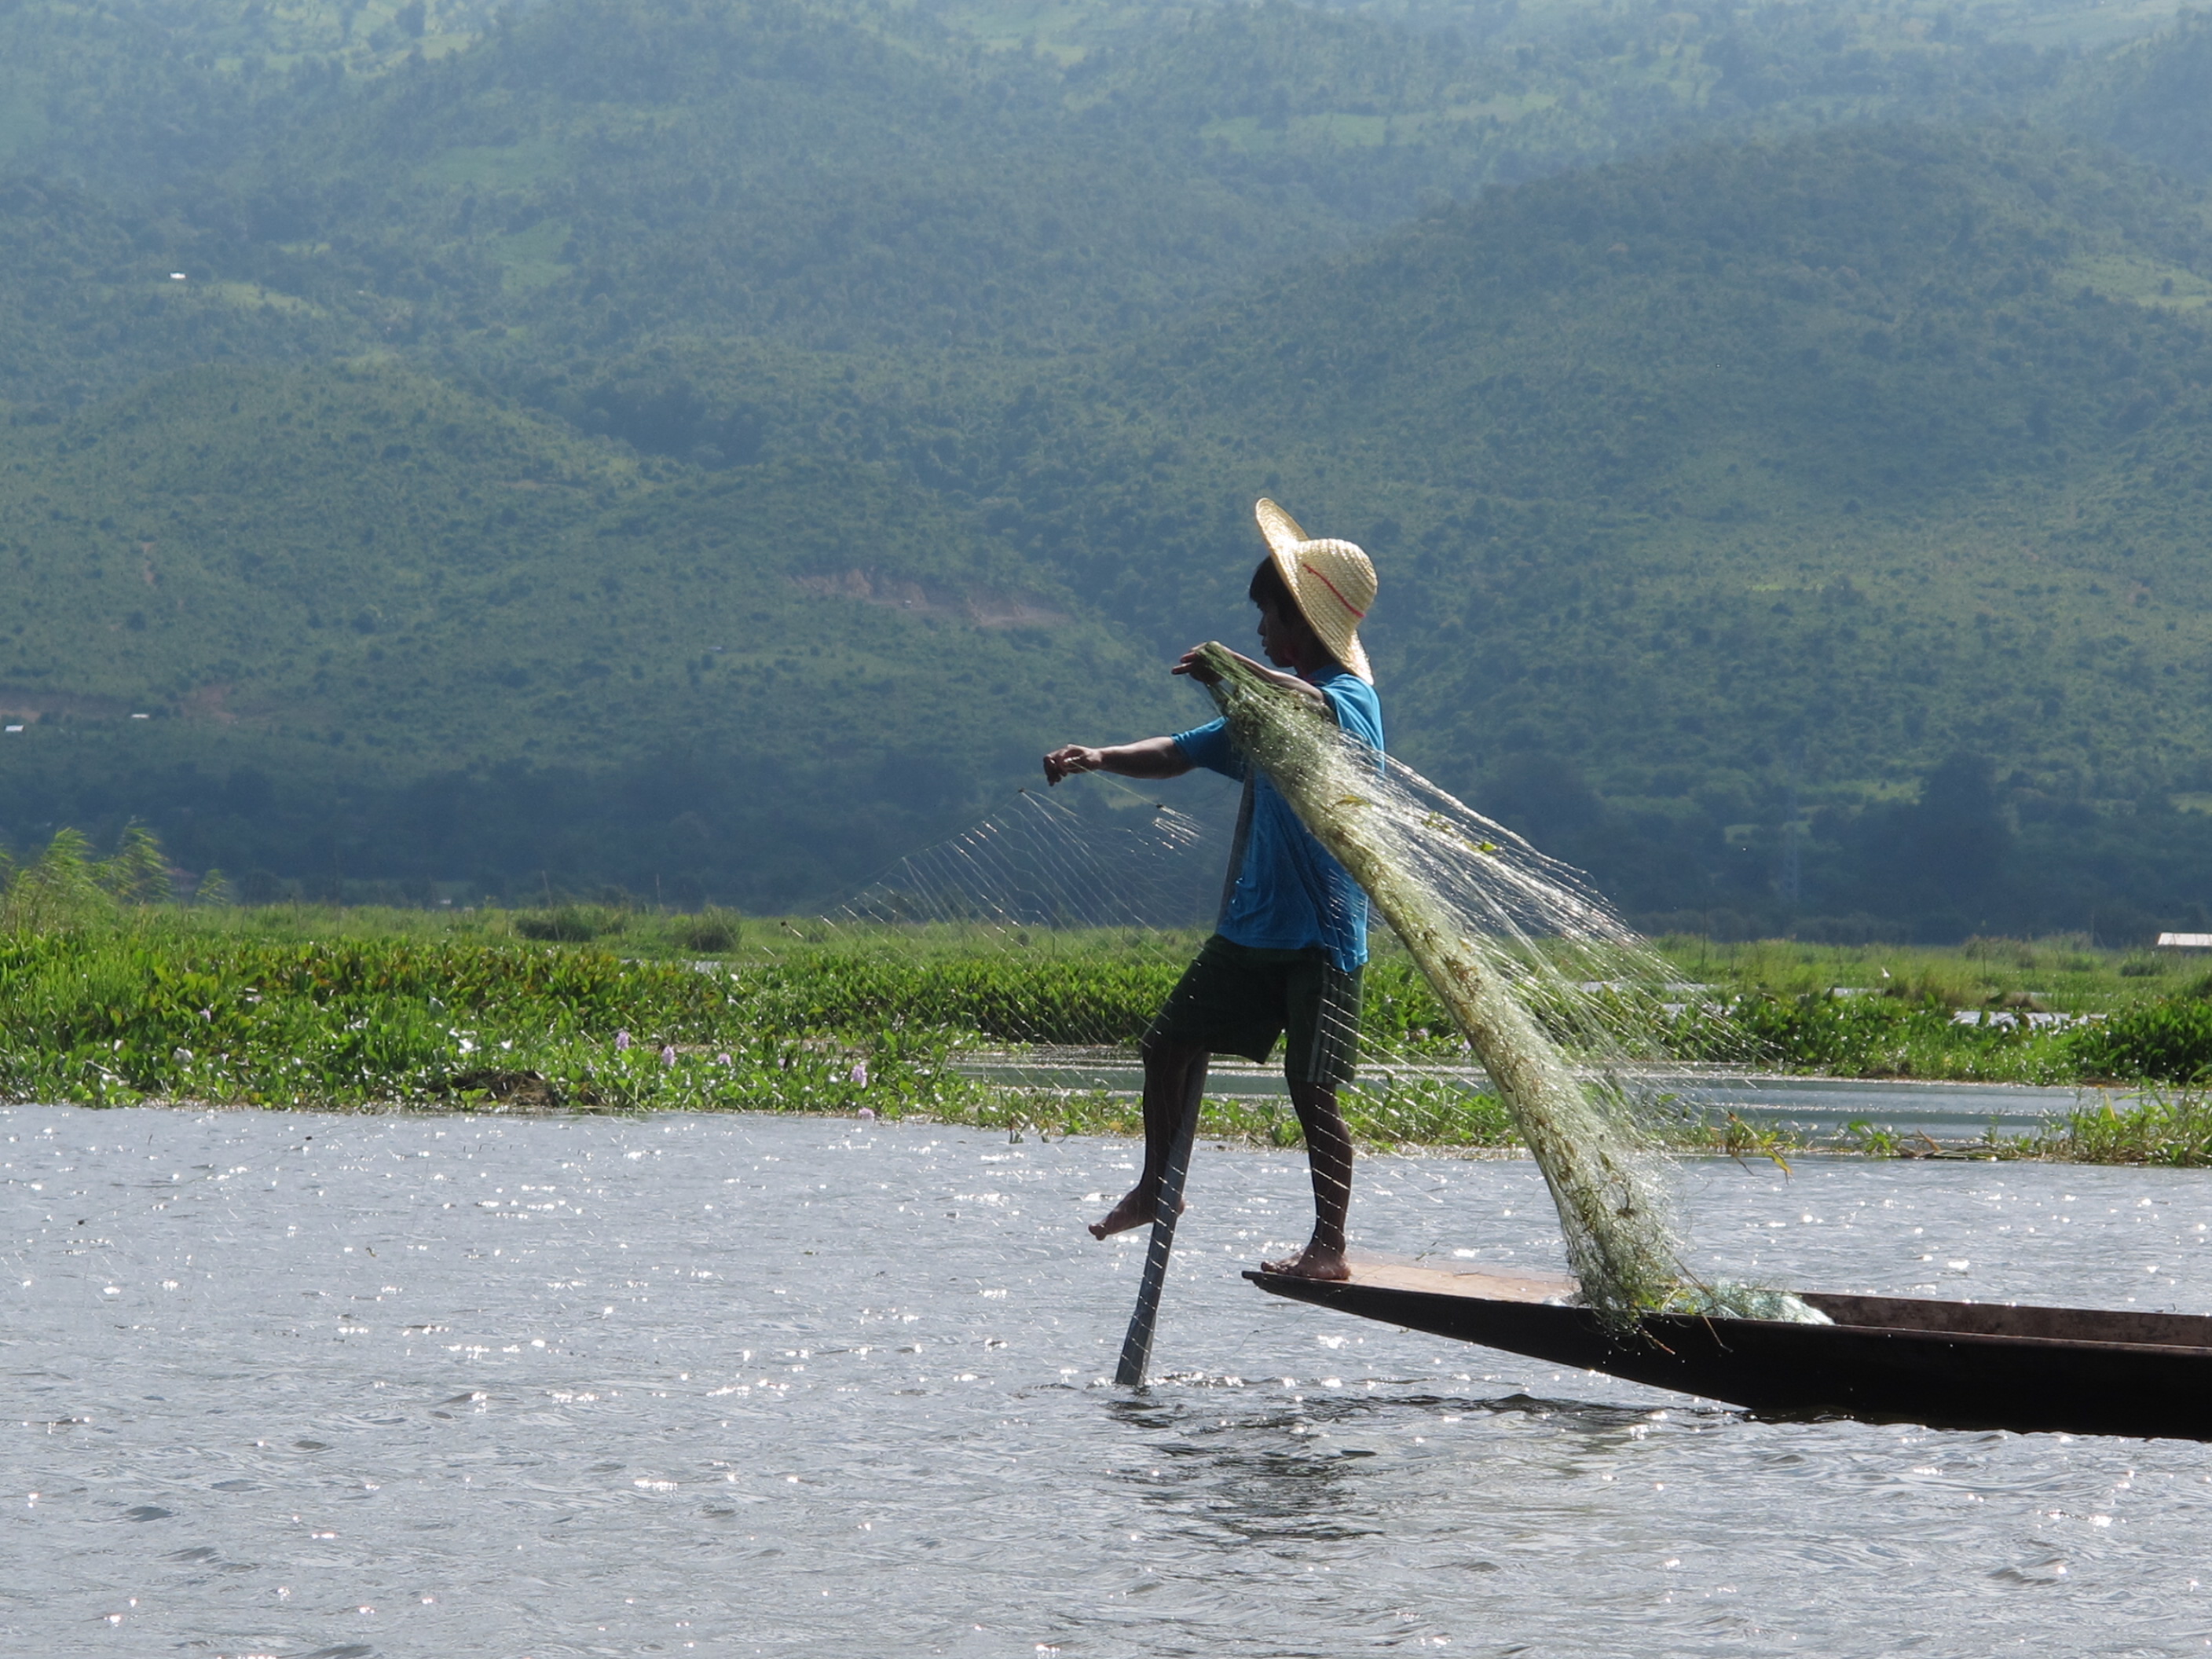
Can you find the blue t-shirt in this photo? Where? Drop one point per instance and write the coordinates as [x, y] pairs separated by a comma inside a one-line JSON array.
[[1289, 894]]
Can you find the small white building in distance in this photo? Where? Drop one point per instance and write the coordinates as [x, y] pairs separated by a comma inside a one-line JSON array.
[[2185, 941]]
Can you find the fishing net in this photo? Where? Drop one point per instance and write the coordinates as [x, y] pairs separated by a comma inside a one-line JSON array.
[[1046, 938], [1552, 992], [1100, 859], [1506, 1004], [1508, 941]]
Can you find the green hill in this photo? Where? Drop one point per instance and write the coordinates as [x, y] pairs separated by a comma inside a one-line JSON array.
[[535, 187], [2152, 98], [89, 307], [597, 173], [1743, 473], [716, 446], [1848, 337], [368, 615]]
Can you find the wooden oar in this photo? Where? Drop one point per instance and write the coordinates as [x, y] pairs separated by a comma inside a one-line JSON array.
[[1136, 1345]]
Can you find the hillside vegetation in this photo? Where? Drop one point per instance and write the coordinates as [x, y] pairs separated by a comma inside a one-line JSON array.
[[717, 445], [1745, 473], [127, 1001], [308, 582]]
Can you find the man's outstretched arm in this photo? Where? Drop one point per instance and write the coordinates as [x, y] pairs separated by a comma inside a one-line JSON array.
[[1153, 757]]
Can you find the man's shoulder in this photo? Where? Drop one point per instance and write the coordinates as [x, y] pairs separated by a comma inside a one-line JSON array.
[[1344, 682], [1348, 691], [1352, 700]]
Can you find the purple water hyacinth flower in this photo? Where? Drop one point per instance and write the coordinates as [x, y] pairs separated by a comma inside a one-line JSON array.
[[867, 1115], [622, 1041], [860, 1072], [721, 1060], [667, 1054]]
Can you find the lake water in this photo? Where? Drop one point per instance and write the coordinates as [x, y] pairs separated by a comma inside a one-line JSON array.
[[293, 1385]]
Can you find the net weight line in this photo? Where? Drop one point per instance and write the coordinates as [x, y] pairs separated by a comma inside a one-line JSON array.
[[1136, 1345]]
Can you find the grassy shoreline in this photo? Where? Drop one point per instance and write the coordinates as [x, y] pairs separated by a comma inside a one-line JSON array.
[[578, 1009]]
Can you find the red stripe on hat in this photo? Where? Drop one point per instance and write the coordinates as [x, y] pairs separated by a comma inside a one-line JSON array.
[[1358, 615]]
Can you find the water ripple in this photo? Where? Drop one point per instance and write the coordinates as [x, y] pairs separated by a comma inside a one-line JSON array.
[[368, 1386]]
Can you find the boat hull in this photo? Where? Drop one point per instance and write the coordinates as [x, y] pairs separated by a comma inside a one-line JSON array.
[[1947, 1364]]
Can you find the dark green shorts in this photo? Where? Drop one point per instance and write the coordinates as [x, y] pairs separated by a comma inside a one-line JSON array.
[[1235, 1000]]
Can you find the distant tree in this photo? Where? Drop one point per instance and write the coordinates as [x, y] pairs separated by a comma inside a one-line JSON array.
[[1958, 839], [1942, 865], [1542, 796]]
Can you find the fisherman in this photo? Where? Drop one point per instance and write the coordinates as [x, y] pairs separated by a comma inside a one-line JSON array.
[[1287, 952]]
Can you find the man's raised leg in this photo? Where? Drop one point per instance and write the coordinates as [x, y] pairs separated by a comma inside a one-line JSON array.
[[1328, 1151], [1173, 1074]]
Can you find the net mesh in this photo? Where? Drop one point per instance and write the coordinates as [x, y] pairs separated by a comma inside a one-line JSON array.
[[1556, 996], [1106, 858], [1506, 1006], [1508, 941], [1053, 931]]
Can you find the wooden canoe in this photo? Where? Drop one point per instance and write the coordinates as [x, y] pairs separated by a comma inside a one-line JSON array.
[[1887, 1359]]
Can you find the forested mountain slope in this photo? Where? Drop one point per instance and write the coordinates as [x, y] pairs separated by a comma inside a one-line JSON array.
[[720, 443], [846, 175], [1767, 360], [2152, 98], [91, 304], [373, 622], [597, 173], [1746, 485]]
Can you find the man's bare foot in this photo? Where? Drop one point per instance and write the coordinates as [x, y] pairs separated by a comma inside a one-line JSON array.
[[1312, 1262], [1136, 1210]]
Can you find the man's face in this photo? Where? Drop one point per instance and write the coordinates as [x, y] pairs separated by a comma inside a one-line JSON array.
[[1280, 637]]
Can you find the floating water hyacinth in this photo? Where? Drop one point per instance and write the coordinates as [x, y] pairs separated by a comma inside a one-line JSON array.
[[1526, 960]]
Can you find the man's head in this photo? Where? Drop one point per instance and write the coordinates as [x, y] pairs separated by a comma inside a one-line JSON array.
[[1317, 591], [1287, 637]]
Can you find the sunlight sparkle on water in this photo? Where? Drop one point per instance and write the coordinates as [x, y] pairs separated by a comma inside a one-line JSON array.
[[379, 1386]]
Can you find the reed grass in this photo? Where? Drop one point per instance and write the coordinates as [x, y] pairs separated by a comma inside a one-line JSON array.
[[117, 1016], [2172, 1128], [1877, 1036], [129, 979], [2063, 973], [112, 991], [121, 1015]]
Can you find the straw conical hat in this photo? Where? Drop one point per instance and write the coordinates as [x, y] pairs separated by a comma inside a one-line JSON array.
[[1333, 582]]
